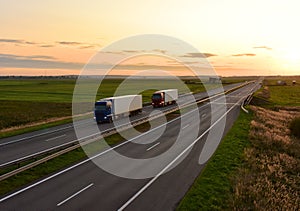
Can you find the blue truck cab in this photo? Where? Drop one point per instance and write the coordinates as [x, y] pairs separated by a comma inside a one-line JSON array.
[[103, 111]]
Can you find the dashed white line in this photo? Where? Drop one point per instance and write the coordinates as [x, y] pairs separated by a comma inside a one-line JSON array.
[[51, 139], [75, 194], [185, 126], [153, 146]]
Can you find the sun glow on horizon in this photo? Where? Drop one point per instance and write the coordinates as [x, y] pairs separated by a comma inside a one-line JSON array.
[[239, 37]]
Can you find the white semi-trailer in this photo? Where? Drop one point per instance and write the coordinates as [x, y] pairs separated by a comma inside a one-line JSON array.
[[164, 97], [111, 108]]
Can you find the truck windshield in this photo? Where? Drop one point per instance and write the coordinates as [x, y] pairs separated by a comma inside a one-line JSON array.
[[100, 107], [156, 96]]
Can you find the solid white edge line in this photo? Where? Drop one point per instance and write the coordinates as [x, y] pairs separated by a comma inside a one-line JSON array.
[[75, 194], [173, 161], [153, 146], [51, 139]]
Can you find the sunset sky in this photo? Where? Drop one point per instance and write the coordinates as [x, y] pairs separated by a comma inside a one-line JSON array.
[[239, 37]]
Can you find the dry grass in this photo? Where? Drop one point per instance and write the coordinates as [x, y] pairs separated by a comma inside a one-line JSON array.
[[270, 178]]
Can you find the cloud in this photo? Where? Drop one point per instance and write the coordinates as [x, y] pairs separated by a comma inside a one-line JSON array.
[[30, 43], [16, 41], [41, 57], [80, 45], [75, 44], [244, 54], [113, 52], [263, 47], [86, 46], [13, 56], [199, 55], [47, 46], [160, 51], [48, 62], [136, 51], [69, 43], [11, 41], [131, 51], [36, 61], [149, 67]]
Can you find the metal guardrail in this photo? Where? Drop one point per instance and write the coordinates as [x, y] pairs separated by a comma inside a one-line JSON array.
[[67, 147]]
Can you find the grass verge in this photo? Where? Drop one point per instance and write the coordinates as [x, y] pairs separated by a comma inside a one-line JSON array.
[[212, 188]]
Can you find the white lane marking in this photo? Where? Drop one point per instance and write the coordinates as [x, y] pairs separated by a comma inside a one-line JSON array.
[[51, 139], [75, 194], [174, 160], [91, 158], [40, 134], [153, 146], [185, 126]]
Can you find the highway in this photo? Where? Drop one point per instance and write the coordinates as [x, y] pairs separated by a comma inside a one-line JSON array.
[[86, 186], [18, 147]]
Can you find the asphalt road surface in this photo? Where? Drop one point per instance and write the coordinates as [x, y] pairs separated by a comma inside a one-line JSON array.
[[87, 186]]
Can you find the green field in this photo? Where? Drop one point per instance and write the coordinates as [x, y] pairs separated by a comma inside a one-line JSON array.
[[279, 95], [285, 95], [24, 101]]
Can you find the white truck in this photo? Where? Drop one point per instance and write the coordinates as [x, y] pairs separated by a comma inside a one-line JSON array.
[[111, 108], [164, 97]]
